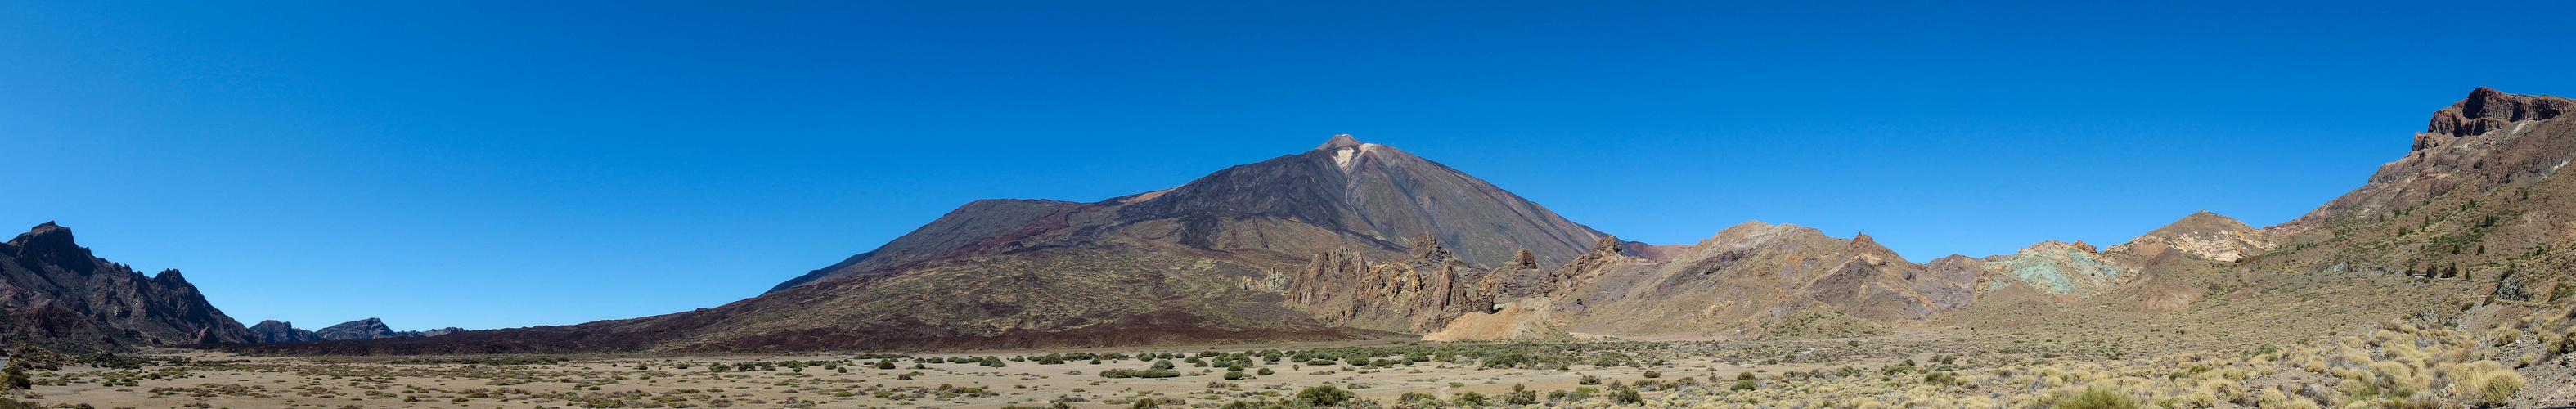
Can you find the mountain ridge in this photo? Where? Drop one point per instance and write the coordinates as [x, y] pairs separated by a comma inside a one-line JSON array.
[[59, 295], [1240, 256]]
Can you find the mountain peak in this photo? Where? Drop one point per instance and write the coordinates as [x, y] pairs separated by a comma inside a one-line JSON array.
[[47, 229], [2486, 109], [48, 238], [2203, 222], [2204, 234], [1339, 142]]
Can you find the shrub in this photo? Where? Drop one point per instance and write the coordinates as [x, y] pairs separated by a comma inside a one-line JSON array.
[[1521, 395], [1233, 375], [2565, 344], [15, 377], [1326, 395], [1139, 373], [1266, 372], [1613, 359], [1745, 385], [1627, 396], [1469, 398], [1652, 374], [1588, 380], [2500, 388], [2098, 397], [38, 357]]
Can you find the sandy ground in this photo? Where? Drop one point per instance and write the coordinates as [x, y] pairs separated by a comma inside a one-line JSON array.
[[222, 380]]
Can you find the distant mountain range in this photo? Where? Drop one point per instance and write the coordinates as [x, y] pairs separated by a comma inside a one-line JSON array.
[[55, 294], [1354, 239], [371, 328]]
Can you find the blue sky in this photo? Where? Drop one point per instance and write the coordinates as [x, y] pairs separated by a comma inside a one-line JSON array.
[[502, 164]]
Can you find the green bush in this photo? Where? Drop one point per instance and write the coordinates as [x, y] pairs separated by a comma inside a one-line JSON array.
[[1521, 395], [1627, 396], [1469, 398], [1653, 374], [1322, 396], [1139, 373], [2500, 389]]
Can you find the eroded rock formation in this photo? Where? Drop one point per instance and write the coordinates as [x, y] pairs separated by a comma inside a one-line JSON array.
[[54, 293]]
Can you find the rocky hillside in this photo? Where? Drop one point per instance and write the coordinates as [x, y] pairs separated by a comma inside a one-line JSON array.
[[280, 331], [54, 293], [2205, 235]]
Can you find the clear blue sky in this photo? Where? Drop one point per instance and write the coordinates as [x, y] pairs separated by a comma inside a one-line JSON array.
[[501, 164]]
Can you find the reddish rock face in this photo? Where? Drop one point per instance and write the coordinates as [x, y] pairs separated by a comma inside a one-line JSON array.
[[2487, 140], [2487, 109], [56, 294]]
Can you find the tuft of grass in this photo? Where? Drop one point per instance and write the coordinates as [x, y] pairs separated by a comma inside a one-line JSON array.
[[2098, 397]]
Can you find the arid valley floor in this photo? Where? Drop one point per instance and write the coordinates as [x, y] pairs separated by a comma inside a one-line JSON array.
[[2378, 364]]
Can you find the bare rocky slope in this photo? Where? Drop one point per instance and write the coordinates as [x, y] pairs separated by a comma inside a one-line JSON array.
[[1344, 193], [54, 293], [1353, 239]]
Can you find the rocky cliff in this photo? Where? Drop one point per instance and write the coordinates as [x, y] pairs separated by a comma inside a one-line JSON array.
[[1417, 294], [2488, 140], [54, 293]]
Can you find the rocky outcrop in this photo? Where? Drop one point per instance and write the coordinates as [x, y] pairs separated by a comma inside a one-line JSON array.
[[280, 331], [1607, 253], [1520, 279], [54, 293], [2055, 268], [2203, 234], [1418, 294], [2488, 140], [1750, 275], [2487, 110]]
